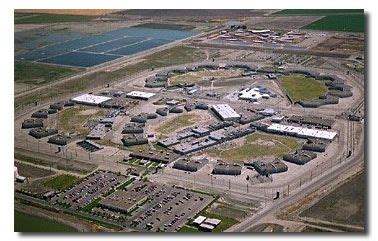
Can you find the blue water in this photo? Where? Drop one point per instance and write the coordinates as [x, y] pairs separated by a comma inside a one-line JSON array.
[[80, 59], [100, 48], [120, 42]]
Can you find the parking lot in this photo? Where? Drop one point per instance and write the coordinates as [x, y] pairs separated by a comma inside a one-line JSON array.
[[92, 187], [169, 208]]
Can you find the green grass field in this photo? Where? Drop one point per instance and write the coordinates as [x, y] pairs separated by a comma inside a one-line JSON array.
[[29, 223], [178, 122], [39, 74], [226, 222], [254, 146], [318, 11], [61, 182], [172, 56], [50, 18], [300, 87], [343, 23]]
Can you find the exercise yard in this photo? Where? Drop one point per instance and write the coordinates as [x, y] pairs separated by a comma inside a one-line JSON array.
[[73, 119], [301, 87], [177, 123], [256, 146], [203, 75]]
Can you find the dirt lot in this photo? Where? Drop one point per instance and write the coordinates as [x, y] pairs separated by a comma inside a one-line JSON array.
[[69, 11], [345, 205], [31, 171]]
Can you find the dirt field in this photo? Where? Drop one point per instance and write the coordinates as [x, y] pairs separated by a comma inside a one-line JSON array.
[[345, 205], [69, 11], [204, 75], [31, 171]]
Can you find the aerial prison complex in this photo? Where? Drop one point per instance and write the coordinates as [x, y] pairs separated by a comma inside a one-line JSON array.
[[168, 129]]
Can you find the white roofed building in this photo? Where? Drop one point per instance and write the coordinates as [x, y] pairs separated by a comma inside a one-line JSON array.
[[139, 95], [90, 99], [225, 112]]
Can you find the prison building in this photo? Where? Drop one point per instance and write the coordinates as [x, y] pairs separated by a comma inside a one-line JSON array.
[[98, 132], [32, 123], [208, 66], [315, 145], [311, 103], [43, 113], [155, 155], [200, 131], [311, 120], [39, 133], [139, 95], [201, 106], [219, 125], [167, 142], [134, 139], [238, 132], [176, 109], [60, 140], [52, 111], [189, 107], [300, 157], [341, 93], [227, 169], [89, 145], [116, 103], [156, 83], [69, 103], [141, 118], [269, 167], [184, 134], [196, 145], [133, 128], [225, 112], [250, 118], [218, 137], [90, 99], [190, 165], [162, 111], [259, 126], [57, 106], [123, 201]]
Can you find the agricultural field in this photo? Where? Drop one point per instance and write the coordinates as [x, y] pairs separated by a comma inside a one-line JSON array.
[[29, 223], [342, 23], [35, 74], [165, 26], [203, 75], [61, 182], [177, 123], [318, 11], [50, 18], [300, 87], [344, 205], [72, 120], [256, 146]]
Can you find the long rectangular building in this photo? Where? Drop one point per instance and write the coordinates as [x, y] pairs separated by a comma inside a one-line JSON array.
[[302, 131]]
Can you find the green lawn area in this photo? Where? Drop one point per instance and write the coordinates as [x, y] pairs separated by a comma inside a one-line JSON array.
[[172, 56], [344, 23], [51, 18], [256, 145], [61, 182], [38, 74], [317, 11], [29, 223], [300, 87], [177, 122], [188, 229], [91, 205]]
